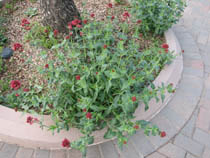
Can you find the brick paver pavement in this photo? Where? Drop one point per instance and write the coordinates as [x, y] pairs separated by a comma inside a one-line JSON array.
[[186, 118]]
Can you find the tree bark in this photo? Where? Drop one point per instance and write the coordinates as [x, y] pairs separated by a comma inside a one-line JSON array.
[[57, 13]]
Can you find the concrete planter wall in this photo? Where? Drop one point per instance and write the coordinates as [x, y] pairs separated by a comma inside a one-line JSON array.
[[14, 128]]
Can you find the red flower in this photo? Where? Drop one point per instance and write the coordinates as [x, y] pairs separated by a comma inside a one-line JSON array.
[[55, 32], [139, 21], [46, 66], [124, 142], [84, 110], [15, 84], [81, 33], [17, 46], [66, 143], [74, 23], [70, 26], [71, 33], [79, 26], [46, 31], [16, 109], [136, 127], [112, 18], [126, 14], [165, 46], [105, 46], [26, 90], [88, 115], [78, 77], [133, 99], [30, 120], [85, 21], [17, 95], [133, 77], [162, 134], [92, 15], [25, 21], [110, 5], [140, 35], [96, 73], [67, 37]]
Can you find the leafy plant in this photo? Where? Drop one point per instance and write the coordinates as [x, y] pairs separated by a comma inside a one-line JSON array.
[[3, 40], [31, 12], [97, 78], [157, 15], [41, 36]]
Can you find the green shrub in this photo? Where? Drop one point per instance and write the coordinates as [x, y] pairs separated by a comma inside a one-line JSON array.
[[157, 15], [96, 80]]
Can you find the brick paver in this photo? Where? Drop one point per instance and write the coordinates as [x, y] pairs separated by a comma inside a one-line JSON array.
[[186, 118]]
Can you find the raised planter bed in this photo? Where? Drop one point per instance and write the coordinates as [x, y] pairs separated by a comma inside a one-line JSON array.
[[14, 128]]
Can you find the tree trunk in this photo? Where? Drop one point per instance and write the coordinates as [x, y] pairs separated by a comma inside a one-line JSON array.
[[57, 13]]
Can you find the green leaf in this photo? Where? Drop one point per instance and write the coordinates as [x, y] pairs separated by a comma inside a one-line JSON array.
[[90, 140], [109, 134]]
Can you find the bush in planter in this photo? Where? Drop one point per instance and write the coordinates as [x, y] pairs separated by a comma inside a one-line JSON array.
[[157, 15], [96, 80]]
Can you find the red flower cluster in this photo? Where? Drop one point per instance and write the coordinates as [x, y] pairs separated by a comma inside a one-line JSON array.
[[76, 23], [17, 47], [92, 15], [31, 120], [66, 143], [105, 46], [133, 99], [46, 31], [136, 127], [126, 15], [85, 21], [15, 84], [139, 21], [81, 33], [110, 5], [162, 134], [133, 77], [26, 90], [112, 18], [17, 95], [88, 115], [55, 32], [165, 46], [46, 66], [25, 23], [78, 77]]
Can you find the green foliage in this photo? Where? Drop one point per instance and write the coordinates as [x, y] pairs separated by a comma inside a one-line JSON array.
[[157, 15], [3, 40], [31, 12], [38, 37], [98, 70]]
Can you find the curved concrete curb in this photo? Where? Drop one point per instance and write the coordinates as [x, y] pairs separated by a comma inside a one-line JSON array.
[[170, 74], [14, 128]]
